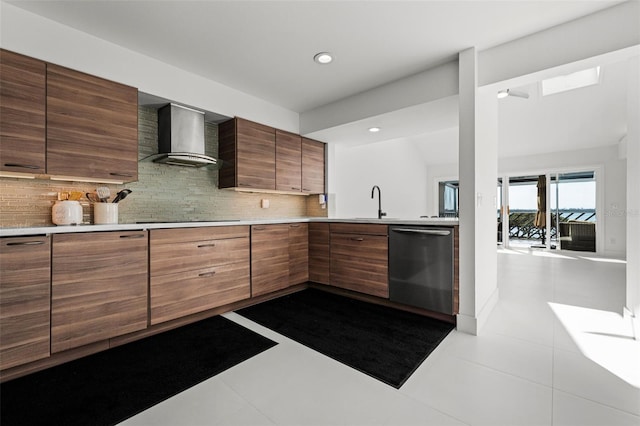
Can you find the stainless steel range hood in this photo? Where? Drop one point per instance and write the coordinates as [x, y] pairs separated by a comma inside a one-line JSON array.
[[181, 138]]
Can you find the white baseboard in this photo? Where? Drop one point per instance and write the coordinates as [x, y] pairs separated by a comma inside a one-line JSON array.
[[474, 325]]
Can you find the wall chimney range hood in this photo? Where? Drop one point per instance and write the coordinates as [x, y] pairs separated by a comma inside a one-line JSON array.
[[181, 138]]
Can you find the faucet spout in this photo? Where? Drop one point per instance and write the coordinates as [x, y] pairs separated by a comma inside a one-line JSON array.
[[380, 212]]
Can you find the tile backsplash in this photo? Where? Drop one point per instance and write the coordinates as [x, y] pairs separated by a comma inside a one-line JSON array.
[[161, 193]]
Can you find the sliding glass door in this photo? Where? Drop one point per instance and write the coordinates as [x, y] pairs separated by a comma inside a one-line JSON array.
[[573, 209]]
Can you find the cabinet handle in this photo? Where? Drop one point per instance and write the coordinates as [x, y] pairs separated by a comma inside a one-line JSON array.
[[121, 174], [357, 239], [294, 226], [294, 188], [24, 166], [244, 184], [306, 189], [207, 274], [26, 243], [132, 236], [206, 245], [259, 228]]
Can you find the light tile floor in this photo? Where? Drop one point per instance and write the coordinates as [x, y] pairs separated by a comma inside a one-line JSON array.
[[555, 351]]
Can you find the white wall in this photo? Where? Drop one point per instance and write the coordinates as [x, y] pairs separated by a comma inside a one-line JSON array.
[[32, 35], [393, 166], [612, 185]]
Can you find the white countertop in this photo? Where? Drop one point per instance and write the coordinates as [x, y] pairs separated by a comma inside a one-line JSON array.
[[53, 229]]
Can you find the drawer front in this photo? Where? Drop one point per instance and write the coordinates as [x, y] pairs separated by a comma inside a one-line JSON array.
[[360, 263], [181, 235], [188, 256], [24, 300], [359, 228], [176, 295]]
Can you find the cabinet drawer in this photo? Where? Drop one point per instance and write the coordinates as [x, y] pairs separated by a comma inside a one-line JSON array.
[[192, 255], [181, 235], [359, 228], [176, 295], [359, 262]]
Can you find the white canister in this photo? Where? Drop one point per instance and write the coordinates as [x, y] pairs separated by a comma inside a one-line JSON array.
[[105, 213], [66, 213]]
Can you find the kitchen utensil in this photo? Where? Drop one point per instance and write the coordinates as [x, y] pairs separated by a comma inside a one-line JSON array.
[[121, 195], [103, 193], [93, 197]]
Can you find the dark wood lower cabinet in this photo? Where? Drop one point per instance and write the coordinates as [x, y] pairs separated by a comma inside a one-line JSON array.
[[269, 258], [319, 259], [98, 287], [359, 259], [197, 269], [24, 300], [298, 253]]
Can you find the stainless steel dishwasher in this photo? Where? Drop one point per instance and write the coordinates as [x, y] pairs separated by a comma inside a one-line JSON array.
[[421, 267]]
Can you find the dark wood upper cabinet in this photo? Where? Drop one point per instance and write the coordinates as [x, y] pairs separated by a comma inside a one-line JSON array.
[[288, 161], [248, 152], [312, 166], [22, 113], [25, 313], [92, 126]]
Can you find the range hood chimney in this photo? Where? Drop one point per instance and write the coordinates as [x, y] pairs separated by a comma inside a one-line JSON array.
[[181, 138]]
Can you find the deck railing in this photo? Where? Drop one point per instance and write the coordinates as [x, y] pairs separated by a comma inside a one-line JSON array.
[[521, 222]]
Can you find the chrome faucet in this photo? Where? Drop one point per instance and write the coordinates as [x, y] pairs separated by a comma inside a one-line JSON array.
[[380, 212]]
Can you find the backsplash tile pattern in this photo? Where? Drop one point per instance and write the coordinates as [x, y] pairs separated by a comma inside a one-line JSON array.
[[162, 193]]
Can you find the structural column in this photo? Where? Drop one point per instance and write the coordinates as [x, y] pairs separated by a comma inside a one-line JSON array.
[[478, 175], [633, 192]]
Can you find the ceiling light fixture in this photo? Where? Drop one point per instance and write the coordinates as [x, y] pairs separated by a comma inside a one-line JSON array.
[[323, 58], [504, 93], [374, 129]]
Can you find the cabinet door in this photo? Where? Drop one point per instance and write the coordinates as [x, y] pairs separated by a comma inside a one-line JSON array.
[[256, 155], [298, 253], [22, 113], [269, 258], [359, 262], [98, 287], [288, 161], [92, 126], [24, 300], [319, 252], [312, 166]]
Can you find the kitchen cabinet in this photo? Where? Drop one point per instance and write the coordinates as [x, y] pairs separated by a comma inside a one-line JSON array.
[[98, 287], [319, 259], [312, 166], [279, 257], [248, 151], [22, 113], [288, 161], [196, 269], [25, 263], [359, 258], [269, 258], [298, 253], [92, 127]]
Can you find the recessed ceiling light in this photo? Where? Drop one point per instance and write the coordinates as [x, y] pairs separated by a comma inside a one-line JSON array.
[[374, 129], [323, 58]]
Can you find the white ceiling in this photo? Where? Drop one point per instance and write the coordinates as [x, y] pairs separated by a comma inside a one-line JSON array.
[[266, 48]]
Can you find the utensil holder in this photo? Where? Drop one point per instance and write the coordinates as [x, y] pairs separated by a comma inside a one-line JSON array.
[[105, 213]]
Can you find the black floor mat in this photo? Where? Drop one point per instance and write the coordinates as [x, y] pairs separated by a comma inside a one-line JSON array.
[[111, 386], [385, 343]]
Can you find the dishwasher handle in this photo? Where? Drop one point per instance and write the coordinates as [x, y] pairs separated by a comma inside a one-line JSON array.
[[422, 231]]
